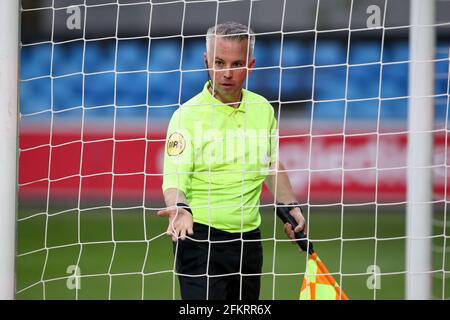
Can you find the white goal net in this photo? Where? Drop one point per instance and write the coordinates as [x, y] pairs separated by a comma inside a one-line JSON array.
[[100, 79]]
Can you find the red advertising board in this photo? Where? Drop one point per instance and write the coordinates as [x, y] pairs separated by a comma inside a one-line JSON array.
[[93, 169]]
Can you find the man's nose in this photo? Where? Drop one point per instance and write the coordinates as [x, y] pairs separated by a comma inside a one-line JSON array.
[[228, 73]]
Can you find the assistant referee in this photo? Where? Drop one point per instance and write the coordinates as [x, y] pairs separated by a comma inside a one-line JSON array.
[[221, 146]]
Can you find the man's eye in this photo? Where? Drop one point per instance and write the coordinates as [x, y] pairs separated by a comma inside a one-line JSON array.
[[238, 65], [219, 63]]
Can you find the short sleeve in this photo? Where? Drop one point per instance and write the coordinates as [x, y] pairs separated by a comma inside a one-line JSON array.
[[273, 141], [178, 151]]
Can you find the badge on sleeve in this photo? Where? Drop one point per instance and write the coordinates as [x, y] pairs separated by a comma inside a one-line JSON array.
[[176, 144]]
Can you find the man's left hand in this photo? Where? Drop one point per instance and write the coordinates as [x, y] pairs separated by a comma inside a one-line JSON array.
[[298, 216]]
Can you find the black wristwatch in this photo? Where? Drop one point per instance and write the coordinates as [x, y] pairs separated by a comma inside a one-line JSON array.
[[291, 206], [184, 206]]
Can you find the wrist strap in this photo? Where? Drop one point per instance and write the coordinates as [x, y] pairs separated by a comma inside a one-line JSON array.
[[291, 205], [184, 206]]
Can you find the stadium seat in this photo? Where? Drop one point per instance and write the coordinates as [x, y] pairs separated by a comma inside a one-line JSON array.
[[364, 52], [363, 110], [297, 53], [267, 53], [165, 55], [329, 110], [395, 51], [131, 89], [100, 56], [35, 96], [35, 61], [99, 90], [193, 54], [67, 58], [330, 52], [363, 81], [67, 92], [330, 83], [132, 55]]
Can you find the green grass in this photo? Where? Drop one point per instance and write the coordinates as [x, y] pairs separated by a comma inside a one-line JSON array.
[[130, 268]]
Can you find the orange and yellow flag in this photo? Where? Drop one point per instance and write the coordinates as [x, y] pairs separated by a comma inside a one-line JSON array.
[[318, 283]]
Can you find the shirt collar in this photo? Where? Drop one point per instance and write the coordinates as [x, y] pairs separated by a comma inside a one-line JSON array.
[[219, 105]]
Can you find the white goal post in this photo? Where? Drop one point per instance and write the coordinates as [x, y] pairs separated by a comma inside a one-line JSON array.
[[422, 44], [9, 55]]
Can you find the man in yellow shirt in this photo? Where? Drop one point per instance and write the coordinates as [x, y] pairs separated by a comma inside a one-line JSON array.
[[221, 146]]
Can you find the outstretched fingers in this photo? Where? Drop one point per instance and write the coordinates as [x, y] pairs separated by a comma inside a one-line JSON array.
[[179, 226], [168, 212]]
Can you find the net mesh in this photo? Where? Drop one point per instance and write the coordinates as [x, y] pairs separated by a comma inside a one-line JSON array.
[[99, 81]]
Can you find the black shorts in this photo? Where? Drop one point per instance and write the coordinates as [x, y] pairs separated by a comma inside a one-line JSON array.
[[213, 269]]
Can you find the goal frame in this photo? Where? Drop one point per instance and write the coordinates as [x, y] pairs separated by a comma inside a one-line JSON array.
[[420, 147], [9, 64], [419, 213]]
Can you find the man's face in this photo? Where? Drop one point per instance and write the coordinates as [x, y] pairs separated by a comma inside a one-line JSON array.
[[229, 67]]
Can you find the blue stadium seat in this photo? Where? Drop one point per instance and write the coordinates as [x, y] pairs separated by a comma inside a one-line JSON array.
[[131, 89], [163, 88], [266, 83], [330, 52], [193, 54], [192, 84], [296, 84], [364, 52], [297, 53], [442, 49], [441, 70], [35, 61], [67, 92], [165, 55], [330, 83], [132, 55], [99, 90], [100, 56], [395, 80], [394, 109], [93, 116], [67, 58], [440, 110], [365, 109], [329, 110], [267, 53], [363, 81], [35, 96], [395, 51], [123, 114]]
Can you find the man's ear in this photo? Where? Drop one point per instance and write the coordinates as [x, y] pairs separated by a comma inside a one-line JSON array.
[[205, 59], [251, 65]]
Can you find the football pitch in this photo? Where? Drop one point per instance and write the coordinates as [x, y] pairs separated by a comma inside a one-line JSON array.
[[124, 254]]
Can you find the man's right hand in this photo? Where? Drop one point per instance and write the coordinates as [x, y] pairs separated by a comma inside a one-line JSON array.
[[180, 222]]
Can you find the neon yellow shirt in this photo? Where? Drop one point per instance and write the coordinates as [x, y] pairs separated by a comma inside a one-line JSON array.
[[219, 157]]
